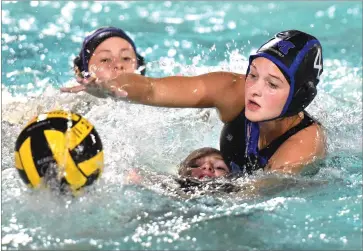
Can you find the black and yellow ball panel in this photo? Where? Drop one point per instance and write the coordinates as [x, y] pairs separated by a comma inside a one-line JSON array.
[[59, 124], [43, 143], [20, 168]]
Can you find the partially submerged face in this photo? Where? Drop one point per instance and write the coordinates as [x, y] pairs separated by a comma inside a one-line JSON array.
[[266, 90], [211, 166], [112, 57], [202, 163]]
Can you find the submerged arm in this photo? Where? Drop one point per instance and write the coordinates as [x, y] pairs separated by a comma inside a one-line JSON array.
[[273, 184]]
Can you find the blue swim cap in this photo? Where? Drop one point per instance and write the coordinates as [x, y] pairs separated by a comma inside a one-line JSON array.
[[299, 57], [91, 42]]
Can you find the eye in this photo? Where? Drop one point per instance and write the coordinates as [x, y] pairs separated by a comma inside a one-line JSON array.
[[272, 85], [105, 60], [127, 59], [221, 167], [193, 165], [251, 75], [221, 170]]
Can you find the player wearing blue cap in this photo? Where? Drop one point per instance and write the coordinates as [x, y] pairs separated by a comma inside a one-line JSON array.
[[281, 81]]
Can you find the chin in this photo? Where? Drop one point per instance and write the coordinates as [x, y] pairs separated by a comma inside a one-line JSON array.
[[259, 117], [253, 116]]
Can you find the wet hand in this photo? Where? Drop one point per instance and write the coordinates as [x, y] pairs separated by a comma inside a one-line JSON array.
[[84, 82], [96, 87]]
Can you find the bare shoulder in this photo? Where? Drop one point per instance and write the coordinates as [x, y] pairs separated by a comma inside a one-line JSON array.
[[312, 138], [229, 97], [303, 148]]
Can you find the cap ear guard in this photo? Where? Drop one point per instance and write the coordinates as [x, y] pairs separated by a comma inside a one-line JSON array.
[[302, 98], [310, 70]]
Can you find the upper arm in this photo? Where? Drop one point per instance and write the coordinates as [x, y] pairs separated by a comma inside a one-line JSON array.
[[222, 90], [299, 150]]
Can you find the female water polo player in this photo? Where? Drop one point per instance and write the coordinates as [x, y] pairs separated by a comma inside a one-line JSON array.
[[266, 125], [199, 171], [106, 53]]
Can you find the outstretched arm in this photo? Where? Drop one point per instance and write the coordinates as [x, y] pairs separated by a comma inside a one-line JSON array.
[[222, 90]]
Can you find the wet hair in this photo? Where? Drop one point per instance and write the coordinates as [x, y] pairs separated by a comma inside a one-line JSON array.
[[184, 167], [90, 44]]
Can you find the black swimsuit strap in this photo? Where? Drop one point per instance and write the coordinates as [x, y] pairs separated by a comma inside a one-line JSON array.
[[268, 151]]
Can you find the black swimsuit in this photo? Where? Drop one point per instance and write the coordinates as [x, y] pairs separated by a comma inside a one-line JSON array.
[[233, 145]]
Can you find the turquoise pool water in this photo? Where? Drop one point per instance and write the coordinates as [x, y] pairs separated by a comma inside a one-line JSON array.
[[39, 41]]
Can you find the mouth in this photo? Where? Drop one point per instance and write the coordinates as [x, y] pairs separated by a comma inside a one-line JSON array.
[[252, 105], [202, 176]]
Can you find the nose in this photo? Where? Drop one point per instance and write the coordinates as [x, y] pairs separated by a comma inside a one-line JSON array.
[[208, 167], [256, 88], [118, 66]]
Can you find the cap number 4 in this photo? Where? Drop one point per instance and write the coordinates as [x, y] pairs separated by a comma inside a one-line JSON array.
[[317, 63]]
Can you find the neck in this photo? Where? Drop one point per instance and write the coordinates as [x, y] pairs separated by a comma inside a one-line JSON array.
[[271, 130]]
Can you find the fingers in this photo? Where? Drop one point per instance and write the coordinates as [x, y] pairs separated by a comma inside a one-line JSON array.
[[82, 87], [84, 81], [79, 80], [96, 87], [73, 89]]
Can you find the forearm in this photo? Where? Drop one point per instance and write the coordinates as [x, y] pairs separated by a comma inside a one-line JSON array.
[[253, 188], [133, 87], [178, 91], [272, 185]]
